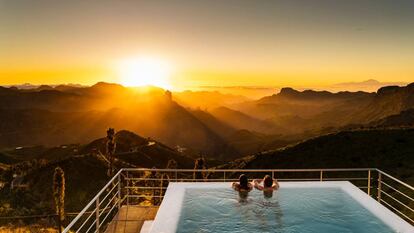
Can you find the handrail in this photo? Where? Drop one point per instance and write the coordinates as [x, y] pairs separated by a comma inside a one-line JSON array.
[[396, 190], [247, 170], [66, 230], [396, 200], [124, 189], [396, 210], [395, 179]]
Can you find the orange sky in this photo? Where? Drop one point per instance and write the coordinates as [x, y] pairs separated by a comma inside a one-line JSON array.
[[225, 43]]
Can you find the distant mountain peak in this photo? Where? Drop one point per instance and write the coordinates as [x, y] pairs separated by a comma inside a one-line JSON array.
[[371, 82], [105, 84], [371, 85], [106, 87], [288, 91], [366, 82]]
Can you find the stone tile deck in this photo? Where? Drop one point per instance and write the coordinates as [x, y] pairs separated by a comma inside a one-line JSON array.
[[131, 218]]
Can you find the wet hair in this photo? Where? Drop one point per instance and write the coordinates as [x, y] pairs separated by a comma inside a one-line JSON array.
[[267, 181], [244, 181]]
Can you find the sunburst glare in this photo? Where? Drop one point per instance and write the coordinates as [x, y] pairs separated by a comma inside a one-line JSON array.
[[144, 71]]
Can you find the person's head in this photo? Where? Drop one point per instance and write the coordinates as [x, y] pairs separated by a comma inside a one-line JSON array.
[[244, 181], [267, 181]]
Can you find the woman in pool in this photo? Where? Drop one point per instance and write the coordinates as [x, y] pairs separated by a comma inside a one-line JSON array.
[[243, 185], [268, 186]]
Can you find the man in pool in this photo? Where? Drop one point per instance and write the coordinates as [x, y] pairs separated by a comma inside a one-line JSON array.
[[268, 186]]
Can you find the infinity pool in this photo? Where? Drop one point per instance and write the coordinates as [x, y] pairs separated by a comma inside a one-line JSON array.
[[301, 207]]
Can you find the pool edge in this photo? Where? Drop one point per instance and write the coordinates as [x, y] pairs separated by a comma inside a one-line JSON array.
[[170, 210]]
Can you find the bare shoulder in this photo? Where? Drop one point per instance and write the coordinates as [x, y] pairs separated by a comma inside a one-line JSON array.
[[235, 186], [250, 186], [258, 187], [275, 185]]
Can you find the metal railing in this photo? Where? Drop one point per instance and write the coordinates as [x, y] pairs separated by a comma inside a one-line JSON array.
[[399, 199], [142, 186]]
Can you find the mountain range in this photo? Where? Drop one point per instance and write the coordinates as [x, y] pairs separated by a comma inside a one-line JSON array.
[[52, 116]]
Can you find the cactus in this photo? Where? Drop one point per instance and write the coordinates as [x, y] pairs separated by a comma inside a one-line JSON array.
[[59, 195]]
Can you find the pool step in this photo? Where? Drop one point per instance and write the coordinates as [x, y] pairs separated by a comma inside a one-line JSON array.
[[146, 227]]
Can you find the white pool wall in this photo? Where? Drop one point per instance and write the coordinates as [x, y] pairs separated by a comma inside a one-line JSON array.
[[168, 215]]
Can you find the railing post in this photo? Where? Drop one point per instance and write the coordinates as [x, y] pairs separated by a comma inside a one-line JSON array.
[[224, 177], [379, 186], [161, 186], [273, 174], [119, 192], [369, 183], [127, 188], [97, 214], [321, 176], [176, 177]]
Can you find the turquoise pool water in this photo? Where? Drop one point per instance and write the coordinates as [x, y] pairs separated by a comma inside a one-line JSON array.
[[290, 210]]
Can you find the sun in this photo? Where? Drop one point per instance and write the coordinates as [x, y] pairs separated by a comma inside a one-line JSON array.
[[144, 71]]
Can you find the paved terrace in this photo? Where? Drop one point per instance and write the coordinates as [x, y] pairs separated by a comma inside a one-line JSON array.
[[130, 219]]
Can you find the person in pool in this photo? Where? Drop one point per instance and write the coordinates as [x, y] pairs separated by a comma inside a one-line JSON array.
[[268, 185], [243, 185]]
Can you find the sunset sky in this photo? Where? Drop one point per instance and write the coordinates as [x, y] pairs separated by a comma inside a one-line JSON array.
[[215, 42]]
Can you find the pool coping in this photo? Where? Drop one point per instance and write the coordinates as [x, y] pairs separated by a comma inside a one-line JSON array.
[[168, 215]]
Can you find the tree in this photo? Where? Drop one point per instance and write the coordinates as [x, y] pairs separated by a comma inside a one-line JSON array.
[[110, 149], [172, 164], [167, 176], [168, 95], [199, 164], [59, 195]]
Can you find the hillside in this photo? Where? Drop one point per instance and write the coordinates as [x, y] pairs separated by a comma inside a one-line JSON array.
[[206, 99], [248, 142], [239, 120], [139, 152], [388, 149], [307, 103], [142, 152], [85, 173], [79, 186], [402, 119], [213, 122]]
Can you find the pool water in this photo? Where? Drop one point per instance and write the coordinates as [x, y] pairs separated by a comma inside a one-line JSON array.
[[290, 210]]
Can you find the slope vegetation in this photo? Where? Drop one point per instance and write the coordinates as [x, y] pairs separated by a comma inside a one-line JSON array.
[[388, 149]]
